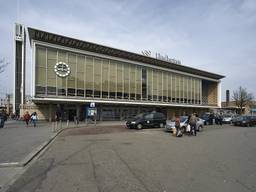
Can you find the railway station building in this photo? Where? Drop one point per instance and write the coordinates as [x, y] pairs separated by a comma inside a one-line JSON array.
[[69, 74]]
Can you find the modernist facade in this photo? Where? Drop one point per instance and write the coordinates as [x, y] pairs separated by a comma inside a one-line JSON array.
[[68, 74]]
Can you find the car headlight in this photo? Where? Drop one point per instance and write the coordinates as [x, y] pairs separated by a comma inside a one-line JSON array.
[[133, 122]]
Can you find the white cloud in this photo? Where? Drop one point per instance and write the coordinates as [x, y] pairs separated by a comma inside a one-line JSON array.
[[216, 36]]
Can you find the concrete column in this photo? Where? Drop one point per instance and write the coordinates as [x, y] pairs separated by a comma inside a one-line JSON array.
[[219, 94], [101, 110]]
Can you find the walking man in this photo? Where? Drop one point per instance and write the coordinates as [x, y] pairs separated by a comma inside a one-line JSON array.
[[192, 123]]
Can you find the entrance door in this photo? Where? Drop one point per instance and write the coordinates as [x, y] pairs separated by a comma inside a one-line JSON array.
[[71, 114]]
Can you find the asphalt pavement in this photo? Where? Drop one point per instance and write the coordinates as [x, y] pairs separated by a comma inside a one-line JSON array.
[[19, 144], [221, 158]]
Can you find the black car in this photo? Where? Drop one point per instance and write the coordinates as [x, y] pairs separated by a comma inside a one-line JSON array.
[[245, 121], [147, 120], [208, 118]]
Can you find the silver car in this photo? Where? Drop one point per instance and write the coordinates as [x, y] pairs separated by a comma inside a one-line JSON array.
[[170, 124]]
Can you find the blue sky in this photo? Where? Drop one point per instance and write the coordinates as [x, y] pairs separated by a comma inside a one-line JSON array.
[[216, 36]]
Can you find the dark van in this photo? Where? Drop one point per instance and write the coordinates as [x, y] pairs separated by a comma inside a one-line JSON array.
[[147, 120]]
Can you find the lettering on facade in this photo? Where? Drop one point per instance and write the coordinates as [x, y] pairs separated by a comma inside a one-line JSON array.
[[62, 69], [161, 57], [168, 59]]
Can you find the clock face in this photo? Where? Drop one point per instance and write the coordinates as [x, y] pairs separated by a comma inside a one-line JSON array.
[[62, 69]]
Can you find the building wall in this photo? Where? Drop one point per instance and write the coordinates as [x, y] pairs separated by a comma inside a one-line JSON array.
[[94, 77], [44, 111], [213, 93]]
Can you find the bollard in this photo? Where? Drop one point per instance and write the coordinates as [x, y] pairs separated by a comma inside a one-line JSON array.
[[60, 124]]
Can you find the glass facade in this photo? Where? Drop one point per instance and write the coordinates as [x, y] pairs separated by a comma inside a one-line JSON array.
[[100, 78]]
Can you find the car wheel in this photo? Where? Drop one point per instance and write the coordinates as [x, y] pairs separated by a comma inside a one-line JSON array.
[[139, 126], [183, 129], [161, 125], [200, 128]]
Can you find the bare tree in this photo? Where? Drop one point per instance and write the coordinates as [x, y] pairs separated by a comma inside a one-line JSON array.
[[3, 65], [242, 98]]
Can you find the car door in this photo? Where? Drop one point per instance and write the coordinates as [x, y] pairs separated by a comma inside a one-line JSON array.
[[159, 119], [149, 121]]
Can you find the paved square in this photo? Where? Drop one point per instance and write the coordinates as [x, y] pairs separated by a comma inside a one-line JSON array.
[[218, 159]]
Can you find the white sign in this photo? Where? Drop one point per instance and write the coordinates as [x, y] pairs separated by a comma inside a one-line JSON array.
[[62, 69], [92, 105], [166, 58]]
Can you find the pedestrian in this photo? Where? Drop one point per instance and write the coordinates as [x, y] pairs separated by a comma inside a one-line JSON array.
[[26, 118], [34, 118], [192, 123], [177, 126], [220, 119]]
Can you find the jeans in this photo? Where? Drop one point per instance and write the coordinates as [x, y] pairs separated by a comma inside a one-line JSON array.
[[192, 128], [34, 122]]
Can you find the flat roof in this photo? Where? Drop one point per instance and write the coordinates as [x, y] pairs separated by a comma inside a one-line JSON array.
[[52, 38]]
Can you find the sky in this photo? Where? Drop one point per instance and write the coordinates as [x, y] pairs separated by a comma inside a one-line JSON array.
[[216, 36]]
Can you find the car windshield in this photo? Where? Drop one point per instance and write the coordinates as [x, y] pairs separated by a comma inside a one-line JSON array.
[[183, 118], [139, 116], [205, 116]]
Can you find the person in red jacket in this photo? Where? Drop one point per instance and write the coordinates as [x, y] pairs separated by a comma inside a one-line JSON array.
[[26, 118]]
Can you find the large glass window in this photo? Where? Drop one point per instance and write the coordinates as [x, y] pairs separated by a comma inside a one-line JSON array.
[[126, 80], [105, 76], [89, 76], [80, 75], [96, 77], [144, 84], [160, 86], [51, 76], [62, 82], [169, 78], [150, 84], [112, 80], [119, 80], [185, 89], [155, 85], [174, 88], [132, 82], [138, 82], [181, 89], [41, 70], [165, 87]]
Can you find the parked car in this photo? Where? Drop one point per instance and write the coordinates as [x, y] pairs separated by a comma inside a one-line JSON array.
[[235, 119], [208, 118], [170, 124], [147, 120], [245, 121], [253, 120], [227, 119], [2, 120]]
